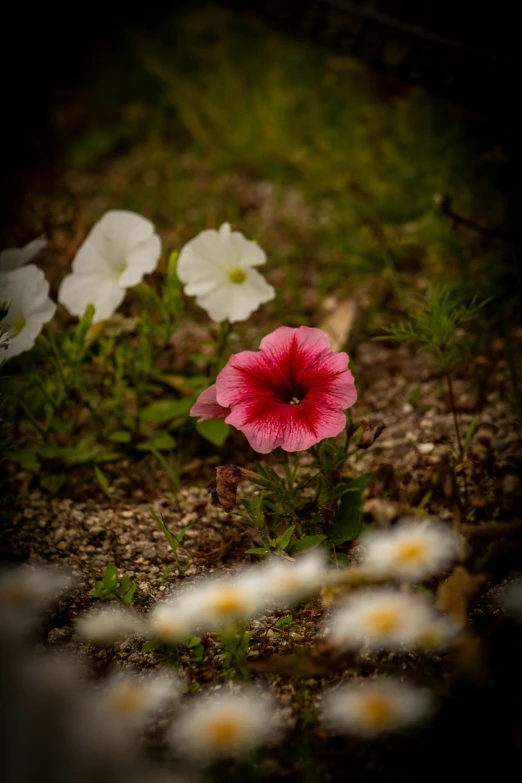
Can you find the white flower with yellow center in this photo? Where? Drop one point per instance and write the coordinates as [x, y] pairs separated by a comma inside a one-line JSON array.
[[216, 603], [412, 551], [25, 293], [224, 725], [217, 267], [32, 587], [118, 251], [107, 625], [372, 708], [131, 700], [289, 583], [169, 622], [15, 257], [381, 618]]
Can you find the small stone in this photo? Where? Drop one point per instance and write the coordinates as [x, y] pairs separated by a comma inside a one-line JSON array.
[[425, 448]]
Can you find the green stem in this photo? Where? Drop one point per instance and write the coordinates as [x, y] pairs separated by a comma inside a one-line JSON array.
[[225, 330], [454, 411]]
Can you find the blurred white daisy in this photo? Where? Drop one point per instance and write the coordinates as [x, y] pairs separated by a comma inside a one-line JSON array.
[[411, 551], [217, 267], [28, 590], [169, 622], [118, 251], [131, 700], [14, 257], [224, 725], [381, 618], [371, 708], [26, 294], [107, 625], [289, 583], [217, 603]]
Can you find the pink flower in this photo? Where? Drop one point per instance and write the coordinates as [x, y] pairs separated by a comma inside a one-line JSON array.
[[207, 407], [292, 393]]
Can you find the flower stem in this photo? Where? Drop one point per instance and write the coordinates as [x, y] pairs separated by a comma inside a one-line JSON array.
[[454, 411], [225, 330]]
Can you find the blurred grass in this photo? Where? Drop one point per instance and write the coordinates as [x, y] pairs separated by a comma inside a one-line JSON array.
[[210, 117]]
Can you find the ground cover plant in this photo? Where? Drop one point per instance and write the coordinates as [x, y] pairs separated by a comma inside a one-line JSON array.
[[260, 425]]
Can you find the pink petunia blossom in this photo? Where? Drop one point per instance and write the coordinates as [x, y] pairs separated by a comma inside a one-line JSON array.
[[207, 407], [291, 393]]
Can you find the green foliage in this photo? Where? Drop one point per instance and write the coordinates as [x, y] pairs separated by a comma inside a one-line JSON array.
[[113, 588], [173, 541], [435, 322]]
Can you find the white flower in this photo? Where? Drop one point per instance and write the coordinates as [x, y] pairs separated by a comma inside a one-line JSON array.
[[217, 268], [26, 591], [213, 604], [26, 292], [105, 626], [371, 708], [18, 256], [289, 583], [224, 725], [411, 551], [131, 699], [170, 622], [381, 618], [118, 251]]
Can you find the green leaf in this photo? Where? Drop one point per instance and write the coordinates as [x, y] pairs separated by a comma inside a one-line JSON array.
[[306, 543], [284, 539], [286, 620], [129, 595], [120, 436], [257, 551], [53, 482], [194, 641], [162, 442], [162, 411], [215, 431], [110, 578], [349, 518], [26, 458], [102, 481], [154, 644]]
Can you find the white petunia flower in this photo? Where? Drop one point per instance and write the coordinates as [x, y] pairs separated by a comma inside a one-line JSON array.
[[15, 257], [289, 583], [217, 268], [381, 618], [372, 708], [106, 626], [118, 251], [26, 292], [131, 700], [224, 725], [411, 551]]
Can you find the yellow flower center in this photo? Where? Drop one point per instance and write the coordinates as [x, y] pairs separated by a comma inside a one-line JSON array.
[[228, 603], [384, 621], [411, 552], [377, 711], [237, 275], [295, 401], [168, 628], [223, 731], [127, 699]]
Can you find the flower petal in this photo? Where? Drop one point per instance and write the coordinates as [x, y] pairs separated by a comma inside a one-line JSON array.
[[141, 260], [27, 291], [237, 301], [77, 291], [15, 257], [207, 407]]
